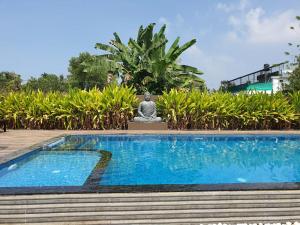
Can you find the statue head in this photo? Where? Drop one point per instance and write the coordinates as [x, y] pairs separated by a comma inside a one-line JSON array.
[[147, 96]]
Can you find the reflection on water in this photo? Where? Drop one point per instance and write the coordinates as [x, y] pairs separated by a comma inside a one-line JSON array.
[[195, 159]]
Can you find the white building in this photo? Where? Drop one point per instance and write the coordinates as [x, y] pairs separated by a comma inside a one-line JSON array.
[[270, 79]]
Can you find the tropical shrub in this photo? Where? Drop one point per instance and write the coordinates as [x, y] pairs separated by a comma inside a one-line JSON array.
[[295, 100], [203, 110], [78, 109], [114, 106], [117, 104], [147, 64], [1, 107], [174, 107]]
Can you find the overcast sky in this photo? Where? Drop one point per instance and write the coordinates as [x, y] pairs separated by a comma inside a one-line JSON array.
[[233, 37]]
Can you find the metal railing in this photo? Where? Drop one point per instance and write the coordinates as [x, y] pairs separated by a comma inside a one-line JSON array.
[[261, 76]]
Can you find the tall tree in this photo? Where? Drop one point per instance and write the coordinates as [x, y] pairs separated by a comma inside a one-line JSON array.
[[148, 65], [10, 81], [47, 82], [88, 71], [294, 77]]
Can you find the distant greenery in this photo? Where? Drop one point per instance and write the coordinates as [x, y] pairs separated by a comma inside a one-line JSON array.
[[47, 82], [294, 77], [10, 81], [147, 64], [87, 71]]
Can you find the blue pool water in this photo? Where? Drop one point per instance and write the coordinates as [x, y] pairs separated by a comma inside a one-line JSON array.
[[50, 168], [201, 160], [161, 159]]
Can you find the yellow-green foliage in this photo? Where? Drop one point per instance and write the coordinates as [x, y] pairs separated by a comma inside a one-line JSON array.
[[1, 108], [78, 109], [295, 100], [202, 110], [113, 107]]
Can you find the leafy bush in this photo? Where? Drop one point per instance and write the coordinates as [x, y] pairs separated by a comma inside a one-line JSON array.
[[174, 107], [79, 109], [113, 107], [117, 106], [1, 107], [202, 110]]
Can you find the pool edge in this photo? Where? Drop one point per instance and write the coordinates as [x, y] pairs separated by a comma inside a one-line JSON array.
[[143, 188]]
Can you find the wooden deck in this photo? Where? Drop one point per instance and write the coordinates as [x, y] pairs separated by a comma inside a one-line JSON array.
[[205, 207]]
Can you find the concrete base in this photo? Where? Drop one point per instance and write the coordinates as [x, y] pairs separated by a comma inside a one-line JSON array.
[[147, 126]]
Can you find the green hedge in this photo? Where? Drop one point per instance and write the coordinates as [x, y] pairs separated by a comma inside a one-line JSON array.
[[201, 110], [113, 107], [78, 109]]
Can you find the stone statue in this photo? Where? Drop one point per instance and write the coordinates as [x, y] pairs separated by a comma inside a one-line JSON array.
[[147, 111]]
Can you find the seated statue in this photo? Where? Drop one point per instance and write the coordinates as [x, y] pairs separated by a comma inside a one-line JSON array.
[[147, 111]]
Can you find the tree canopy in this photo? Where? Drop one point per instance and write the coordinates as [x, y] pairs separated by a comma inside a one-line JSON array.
[[88, 71], [294, 77], [147, 64], [10, 81], [47, 82]]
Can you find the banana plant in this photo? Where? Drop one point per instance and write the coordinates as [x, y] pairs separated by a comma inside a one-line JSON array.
[[148, 65]]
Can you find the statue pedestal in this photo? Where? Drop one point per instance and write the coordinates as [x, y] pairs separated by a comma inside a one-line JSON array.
[[147, 126]]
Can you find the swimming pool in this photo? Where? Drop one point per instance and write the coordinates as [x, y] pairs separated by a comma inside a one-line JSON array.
[[105, 163]]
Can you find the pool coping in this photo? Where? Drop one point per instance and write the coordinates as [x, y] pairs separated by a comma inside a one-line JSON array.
[[31, 148], [91, 184]]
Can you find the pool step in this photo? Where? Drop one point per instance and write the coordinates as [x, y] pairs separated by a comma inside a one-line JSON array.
[[145, 197], [189, 221], [152, 208], [210, 215]]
